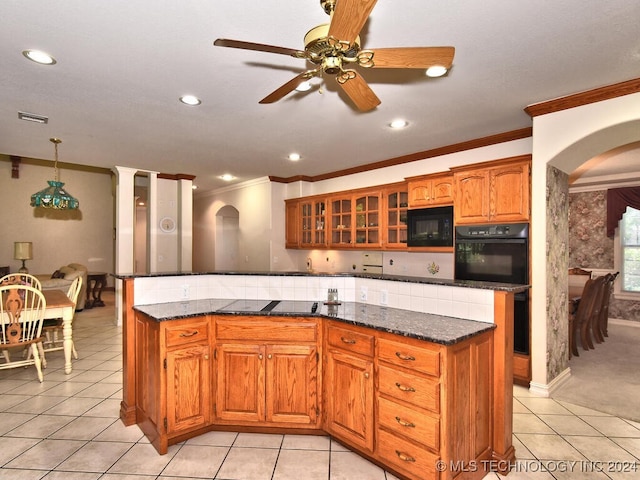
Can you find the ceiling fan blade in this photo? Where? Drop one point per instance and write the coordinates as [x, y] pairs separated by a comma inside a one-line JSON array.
[[413, 57], [360, 93], [288, 87], [349, 17], [225, 42]]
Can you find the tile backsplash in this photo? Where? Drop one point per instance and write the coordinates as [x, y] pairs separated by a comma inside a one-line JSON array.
[[460, 302]]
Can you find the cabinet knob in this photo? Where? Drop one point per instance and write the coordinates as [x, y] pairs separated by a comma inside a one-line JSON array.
[[269, 356], [260, 356], [366, 374], [206, 357]]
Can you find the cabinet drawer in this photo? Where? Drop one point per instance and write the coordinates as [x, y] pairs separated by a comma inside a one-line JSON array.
[[406, 457], [191, 332], [420, 391], [421, 359], [350, 340], [295, 330], [415, 425]]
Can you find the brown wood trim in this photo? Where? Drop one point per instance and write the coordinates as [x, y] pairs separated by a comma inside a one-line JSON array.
[[584, 98], [436, 152], [503, 450], [128, 403], [492, 163], [15, 166], [176, 176]]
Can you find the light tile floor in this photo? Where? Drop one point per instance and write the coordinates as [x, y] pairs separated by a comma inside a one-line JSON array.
[[68, 428]]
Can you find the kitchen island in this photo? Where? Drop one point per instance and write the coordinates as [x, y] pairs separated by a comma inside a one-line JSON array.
[[423, 395]]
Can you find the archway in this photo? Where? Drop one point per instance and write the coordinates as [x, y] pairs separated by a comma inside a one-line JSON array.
[[227, 238]]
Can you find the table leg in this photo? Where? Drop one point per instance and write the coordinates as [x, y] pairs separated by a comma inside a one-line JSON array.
[[67, 335]]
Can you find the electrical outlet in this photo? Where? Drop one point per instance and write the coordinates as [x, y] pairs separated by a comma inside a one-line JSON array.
[[185, 292], [384, 297], [363, 293]]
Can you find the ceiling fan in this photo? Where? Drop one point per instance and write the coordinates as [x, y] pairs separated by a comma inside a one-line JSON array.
[[335, 46]]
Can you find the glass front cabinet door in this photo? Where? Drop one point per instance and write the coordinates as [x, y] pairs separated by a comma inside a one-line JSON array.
[[313, 223], [397, 201]]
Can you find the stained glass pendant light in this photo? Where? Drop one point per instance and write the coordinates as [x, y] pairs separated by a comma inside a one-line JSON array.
[[54, 196]]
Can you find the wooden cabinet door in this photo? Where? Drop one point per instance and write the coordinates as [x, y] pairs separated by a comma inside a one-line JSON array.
[[292, 384], [349, 398], [510, 193], [340, 230], [442, 190], [188, 388], [396, 202], [368, 217], [471, 197], [240, 383], [292, 225]]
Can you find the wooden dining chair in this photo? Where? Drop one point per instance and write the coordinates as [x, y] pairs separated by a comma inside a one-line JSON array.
[[579, 320], [21, 279], [602, 322], [21, 314], [53, 328]]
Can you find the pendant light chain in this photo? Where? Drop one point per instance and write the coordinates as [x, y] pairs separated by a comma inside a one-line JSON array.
[[55, 141]]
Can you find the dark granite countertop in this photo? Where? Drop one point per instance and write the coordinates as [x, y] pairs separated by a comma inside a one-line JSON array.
[[422, 326], [506, 287]]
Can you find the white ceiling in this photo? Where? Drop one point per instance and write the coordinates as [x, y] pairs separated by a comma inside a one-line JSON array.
[[121, 65]]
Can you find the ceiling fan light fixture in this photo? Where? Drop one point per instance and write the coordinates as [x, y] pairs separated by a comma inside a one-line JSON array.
[[304, 86], [39, 57], [191, 100], [436, 71]]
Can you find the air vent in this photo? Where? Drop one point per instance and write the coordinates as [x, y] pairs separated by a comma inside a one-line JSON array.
[[33, 117]]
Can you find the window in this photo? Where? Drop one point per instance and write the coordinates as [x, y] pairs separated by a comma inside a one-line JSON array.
[[628, 254]]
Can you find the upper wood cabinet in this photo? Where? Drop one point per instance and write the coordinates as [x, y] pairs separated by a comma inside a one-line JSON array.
[[354, 220], [292, 223], [493, 192], [395, 200], [431, 190]]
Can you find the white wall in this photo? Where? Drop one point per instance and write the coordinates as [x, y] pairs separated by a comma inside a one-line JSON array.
[[59, 237]]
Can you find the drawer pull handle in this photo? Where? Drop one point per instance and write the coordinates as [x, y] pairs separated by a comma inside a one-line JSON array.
[[190, 334], [348, 341], [404, 388], [405, 423], [409, 358], [404, 457]]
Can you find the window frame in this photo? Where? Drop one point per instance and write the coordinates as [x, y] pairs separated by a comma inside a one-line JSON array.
[[618, 293]]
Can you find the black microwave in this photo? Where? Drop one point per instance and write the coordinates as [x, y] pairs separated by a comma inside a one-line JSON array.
[[430, 227]]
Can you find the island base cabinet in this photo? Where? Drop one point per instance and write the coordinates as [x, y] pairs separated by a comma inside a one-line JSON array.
[[405, 457]]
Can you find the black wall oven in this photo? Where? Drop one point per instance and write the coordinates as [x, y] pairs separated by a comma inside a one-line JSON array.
[[498, 253]]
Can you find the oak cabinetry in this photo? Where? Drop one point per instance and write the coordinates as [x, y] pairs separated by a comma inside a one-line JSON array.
[[349, 385], [493, 192], [292, 223], [394, 212], [355, 220], [267, 371], [175, 390], [433, 403], [431, 190]]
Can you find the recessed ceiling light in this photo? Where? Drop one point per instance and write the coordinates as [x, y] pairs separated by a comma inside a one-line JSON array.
[[227, 177], [436, 71], [399, 123], [190, 100], [39, 57], [294, 157], [304, 86]]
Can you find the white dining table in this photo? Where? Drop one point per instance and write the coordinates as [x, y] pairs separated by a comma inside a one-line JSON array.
[[60, 306]]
